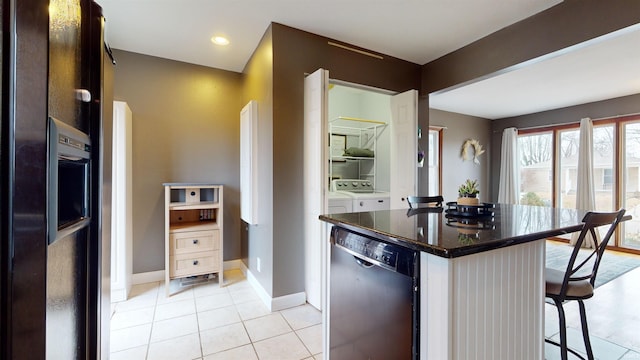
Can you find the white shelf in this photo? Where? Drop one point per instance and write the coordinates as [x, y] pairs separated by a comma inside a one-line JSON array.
[[340, 158], [194, 206], [367, 132], [194, 226]]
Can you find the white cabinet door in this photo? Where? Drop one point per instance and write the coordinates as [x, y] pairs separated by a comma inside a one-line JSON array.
[[315, 180], [404, 148], [249, 163], [121, 200]]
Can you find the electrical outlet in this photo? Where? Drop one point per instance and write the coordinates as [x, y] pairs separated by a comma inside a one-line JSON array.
[[258, 264]]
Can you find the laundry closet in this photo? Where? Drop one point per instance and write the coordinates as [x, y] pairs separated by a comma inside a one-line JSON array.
[[360, 155], [359, 149]]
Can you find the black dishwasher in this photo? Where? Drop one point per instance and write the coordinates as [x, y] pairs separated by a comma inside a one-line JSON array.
[[374, 299]]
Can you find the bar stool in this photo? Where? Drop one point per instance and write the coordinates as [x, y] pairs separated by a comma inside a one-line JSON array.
[[577, 282], [424, 204], [428, 201]]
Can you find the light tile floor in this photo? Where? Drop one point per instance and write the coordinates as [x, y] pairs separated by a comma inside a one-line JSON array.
[[210, 322], [613, 317]]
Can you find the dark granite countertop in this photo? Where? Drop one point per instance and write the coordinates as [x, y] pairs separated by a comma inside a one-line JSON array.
[[445, 236]]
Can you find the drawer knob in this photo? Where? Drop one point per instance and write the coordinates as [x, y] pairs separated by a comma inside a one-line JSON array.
[[195, 262], [195, 241]]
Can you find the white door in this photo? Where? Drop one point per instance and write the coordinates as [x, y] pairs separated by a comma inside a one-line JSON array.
[[249, 163], [404, 148], [315, 181]]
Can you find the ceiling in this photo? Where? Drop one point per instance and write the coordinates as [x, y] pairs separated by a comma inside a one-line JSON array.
[[414, 30], [603, 68]]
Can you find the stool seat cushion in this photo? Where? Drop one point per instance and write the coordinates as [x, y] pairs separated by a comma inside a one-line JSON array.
[[580, 289]]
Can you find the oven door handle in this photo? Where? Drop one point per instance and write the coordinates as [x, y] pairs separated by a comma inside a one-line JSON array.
[[365, 264]]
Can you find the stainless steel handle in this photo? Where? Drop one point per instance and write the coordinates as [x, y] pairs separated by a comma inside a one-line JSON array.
[[195, 241], [363, 263], [195, 262]]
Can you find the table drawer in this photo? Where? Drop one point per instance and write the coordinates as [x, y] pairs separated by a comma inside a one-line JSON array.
[[194, 264], [193, 241]]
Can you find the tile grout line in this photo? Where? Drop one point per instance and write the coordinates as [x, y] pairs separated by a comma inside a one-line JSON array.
[[195, 306], [153, 319], [255, 352], [297, 335]]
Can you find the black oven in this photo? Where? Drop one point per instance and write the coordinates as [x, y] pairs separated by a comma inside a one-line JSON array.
[[69, 179]]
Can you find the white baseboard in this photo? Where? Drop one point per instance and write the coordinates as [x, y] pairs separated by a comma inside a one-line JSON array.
[[262, 293], [147, 277], [275, 304], [288, 301], [118, 295], [153, 276]]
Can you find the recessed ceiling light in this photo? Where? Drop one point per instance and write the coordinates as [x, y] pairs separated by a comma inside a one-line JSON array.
[[219, 40]]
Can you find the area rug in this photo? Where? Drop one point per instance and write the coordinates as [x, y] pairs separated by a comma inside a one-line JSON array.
[[613, 263]]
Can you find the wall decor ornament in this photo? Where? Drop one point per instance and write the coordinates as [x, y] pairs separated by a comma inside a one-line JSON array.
[[477, 150]]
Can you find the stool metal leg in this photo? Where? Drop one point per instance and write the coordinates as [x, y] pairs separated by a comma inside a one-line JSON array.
[[563, 329], [585, 330], [564, 348]]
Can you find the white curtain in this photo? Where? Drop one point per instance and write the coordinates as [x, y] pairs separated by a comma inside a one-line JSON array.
[[509, 172], [585, 189]]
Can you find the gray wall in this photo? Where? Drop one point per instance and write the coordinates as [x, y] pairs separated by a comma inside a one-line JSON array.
[[258, 86], [455, 171], [557, 28], [186, 128], [296, 53], [275, 77]]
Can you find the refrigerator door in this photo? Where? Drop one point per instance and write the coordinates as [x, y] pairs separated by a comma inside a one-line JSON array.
[[67, 279]]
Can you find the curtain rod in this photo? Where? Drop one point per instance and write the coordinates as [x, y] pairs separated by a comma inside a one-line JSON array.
[[568, 123]]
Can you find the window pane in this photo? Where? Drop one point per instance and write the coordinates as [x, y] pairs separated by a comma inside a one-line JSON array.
[[631, 185], [603, 158], [568, 165], [434, 166], [536, 168]]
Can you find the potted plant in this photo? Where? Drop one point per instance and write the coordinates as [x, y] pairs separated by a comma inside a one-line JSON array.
[[467, 237], [468, 193]]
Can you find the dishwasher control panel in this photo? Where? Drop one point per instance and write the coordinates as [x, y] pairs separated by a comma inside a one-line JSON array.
[[390, 256], [369, 248]]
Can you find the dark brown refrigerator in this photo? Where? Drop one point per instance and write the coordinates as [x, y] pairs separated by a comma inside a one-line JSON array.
[[52, 274]]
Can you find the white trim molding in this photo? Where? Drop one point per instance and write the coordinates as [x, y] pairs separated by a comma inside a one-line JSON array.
[[278, 303]]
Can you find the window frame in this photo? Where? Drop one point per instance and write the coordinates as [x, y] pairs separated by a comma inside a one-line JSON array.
[[617, 181]]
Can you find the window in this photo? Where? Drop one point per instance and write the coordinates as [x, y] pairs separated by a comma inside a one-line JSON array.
[[548, 170], [433, 161], [607, 178], [631, 183], [535, 152]]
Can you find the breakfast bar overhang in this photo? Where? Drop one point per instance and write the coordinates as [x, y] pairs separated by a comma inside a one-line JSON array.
[[481, 283]]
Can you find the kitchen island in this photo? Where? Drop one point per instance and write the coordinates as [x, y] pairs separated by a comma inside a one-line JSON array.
[[481, 280]]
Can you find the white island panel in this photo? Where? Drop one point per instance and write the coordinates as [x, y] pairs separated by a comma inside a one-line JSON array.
[[488, 305]]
